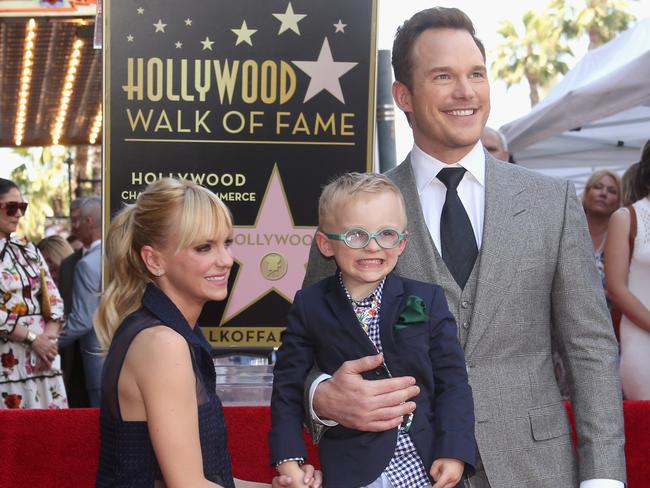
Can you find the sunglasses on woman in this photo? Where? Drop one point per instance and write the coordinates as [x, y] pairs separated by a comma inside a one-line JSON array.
[[12, 207]]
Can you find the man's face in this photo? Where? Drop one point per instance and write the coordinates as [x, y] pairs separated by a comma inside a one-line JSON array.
[[75, 220], [492, 143], [449, 101]]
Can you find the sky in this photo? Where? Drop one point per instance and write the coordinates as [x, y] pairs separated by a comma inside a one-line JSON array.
[[507, 104]]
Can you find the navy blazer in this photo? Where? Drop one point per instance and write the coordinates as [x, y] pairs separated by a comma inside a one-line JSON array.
[[322, 328]]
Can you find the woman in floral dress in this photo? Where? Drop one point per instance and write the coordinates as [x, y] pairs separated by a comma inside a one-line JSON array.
[[30, 374]]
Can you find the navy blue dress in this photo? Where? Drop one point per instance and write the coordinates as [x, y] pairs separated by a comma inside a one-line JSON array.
[[126, 457]]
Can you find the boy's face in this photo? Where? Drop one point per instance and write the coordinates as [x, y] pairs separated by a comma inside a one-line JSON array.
[[363, 269]]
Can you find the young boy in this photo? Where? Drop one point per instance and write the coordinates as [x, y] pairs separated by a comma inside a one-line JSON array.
[[362, 310]]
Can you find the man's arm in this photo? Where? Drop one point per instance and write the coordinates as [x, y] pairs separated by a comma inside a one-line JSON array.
[[582, 321], [85, 298], [371, 406]]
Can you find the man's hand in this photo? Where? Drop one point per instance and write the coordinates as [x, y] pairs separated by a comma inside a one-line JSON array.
[[371, 406], [446, 472], [312, 478]]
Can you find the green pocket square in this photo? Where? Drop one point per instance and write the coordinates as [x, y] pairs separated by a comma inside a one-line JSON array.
[[415, 312]]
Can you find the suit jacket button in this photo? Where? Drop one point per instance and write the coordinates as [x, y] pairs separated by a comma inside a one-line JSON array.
[[464, 304], [465, 324]]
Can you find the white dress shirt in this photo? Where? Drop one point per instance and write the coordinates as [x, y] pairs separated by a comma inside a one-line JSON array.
[[432, 193]]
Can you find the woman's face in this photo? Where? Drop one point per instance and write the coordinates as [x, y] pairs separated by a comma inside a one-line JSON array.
[[197, 274], [602, 198], [8, 223]]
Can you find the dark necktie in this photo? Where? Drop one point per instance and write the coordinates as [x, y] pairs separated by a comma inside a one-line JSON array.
[[459, 248]]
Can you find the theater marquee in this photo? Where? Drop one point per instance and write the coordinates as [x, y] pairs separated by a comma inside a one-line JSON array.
[[261, 102]]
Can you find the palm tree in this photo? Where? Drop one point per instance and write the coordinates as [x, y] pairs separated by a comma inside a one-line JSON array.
[[536, 54], [601, 20], [43, 181]]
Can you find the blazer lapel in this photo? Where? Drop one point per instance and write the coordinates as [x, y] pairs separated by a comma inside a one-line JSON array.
[[503, 241], [345, 316], [391, 303]]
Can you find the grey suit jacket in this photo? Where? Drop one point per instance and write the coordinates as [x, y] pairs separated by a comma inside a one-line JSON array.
[[535, 272], [79, 325]]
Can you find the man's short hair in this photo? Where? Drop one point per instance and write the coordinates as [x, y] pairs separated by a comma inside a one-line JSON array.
[[350, 186], [92, 207], [77, 203], [408, 32]]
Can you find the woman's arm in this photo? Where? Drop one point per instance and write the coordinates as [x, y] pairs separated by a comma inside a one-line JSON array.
[[617, 269], [45, 349], [160, 362], [52, 293]]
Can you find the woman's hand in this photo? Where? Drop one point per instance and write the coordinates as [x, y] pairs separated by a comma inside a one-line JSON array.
[[312, 477], [45, 348], [41, 365]]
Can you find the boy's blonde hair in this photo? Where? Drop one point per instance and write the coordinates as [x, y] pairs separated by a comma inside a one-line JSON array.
[[349, 187]]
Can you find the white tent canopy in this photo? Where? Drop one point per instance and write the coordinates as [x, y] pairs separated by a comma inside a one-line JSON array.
[[597, 116]]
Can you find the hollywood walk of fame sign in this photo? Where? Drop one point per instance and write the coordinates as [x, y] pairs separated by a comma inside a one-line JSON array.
[[261, 102]]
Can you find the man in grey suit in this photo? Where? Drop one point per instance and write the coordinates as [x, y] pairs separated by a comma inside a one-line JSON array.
[[85, 298], [530, 271]]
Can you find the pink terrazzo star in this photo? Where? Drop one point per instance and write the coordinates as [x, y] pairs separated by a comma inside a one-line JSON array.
[[273, 232]]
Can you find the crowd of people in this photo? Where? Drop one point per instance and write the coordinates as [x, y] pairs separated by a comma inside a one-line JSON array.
[[475, 290]]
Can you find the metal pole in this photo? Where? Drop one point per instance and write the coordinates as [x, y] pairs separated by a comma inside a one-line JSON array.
[[385, 112], [68, 162]]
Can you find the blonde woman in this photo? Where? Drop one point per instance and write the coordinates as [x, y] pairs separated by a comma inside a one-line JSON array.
[[161, 422], [601, 198], [54, 250]]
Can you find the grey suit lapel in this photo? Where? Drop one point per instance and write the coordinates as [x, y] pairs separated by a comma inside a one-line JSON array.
[[503, 241], [419, 258]]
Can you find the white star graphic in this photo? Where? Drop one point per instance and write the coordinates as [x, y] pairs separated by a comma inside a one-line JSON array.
[[160, 27], [244, 34], [324, 73], [129, 38], [289, 20], [340, 27], [207, 44], [140, 11], [188, 22], [178, 44]]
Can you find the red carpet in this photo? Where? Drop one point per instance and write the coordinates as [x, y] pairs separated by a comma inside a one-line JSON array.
[[59, 448]]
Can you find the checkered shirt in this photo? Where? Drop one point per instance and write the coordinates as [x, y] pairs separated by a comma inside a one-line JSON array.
[[405, 469]]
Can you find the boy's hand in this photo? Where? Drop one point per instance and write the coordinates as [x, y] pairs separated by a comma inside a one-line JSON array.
[[294, 476], [446, 472]]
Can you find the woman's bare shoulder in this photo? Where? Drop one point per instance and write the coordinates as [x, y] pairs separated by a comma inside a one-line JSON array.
[[159, 344]]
